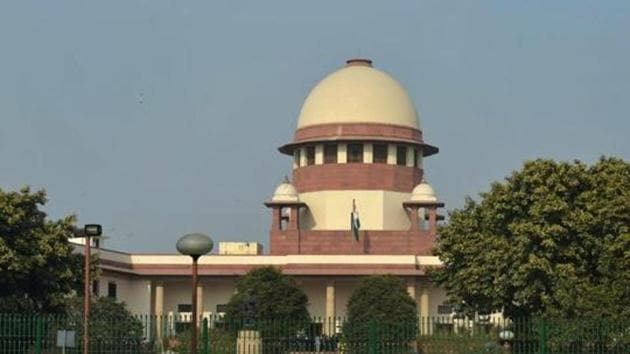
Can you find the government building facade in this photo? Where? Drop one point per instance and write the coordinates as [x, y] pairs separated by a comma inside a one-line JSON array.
[[357, 157]]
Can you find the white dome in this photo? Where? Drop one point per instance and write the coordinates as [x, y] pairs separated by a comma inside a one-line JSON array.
[[358, 93], [285, 192], [423, 192]]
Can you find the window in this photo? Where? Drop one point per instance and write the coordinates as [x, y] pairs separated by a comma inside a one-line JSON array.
[[184, 308], [111, 289], [221, 308], [379, 153], [95, 287], [296, 157], [401, 155], [445, 309], [310, 155], [330, 153], [355, 153]]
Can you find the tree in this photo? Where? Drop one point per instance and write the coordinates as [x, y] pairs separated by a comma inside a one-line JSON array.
[[552, 240], [37, 266], [268, 301], [113, 329], [380, 306]]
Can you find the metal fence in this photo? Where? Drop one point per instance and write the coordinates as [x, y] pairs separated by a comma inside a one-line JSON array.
[[170, 334]]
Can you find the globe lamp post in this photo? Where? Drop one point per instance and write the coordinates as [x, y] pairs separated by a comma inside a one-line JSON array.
[[194, 245]]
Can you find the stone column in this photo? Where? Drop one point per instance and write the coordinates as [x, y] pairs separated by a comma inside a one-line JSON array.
[[294, 218], [319, 154], [275, 218], [391, 154], [329, 319], [158, 309], [413, 218], [424, 309], [433, 220], [411, 288]]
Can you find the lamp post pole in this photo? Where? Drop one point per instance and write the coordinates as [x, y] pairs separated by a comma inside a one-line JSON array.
[[89, 231], [86, 296], [195, 246], [193, 333]]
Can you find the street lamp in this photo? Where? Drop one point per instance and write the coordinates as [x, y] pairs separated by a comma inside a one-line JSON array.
[[194, 245], [89, 230]]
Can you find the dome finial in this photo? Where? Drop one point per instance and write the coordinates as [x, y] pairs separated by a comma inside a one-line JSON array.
[[286, 179], [359, 62]]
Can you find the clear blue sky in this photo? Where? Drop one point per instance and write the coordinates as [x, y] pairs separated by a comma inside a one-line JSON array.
[[159, 118]]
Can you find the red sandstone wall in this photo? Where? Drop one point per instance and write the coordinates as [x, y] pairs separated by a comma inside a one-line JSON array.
[[356, 176], [342, 242]]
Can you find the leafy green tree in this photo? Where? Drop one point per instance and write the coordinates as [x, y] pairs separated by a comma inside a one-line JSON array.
[[271, 302], [380, 307], [275, 296], [37, 266], [113, 329], [552, 240]]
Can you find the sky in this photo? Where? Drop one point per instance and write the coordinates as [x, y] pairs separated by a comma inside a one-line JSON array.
[[159, 118]]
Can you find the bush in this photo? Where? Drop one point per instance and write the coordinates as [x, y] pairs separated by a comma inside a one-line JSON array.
[[269, 302], [380, 308], [113, 328]]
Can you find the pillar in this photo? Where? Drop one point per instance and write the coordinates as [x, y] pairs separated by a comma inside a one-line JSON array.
[[411, 289], [302, 157], [342, 153], [294, 223], [433, 220], [410, 156], [391, 154], [368, 153], [276, 222], [329, 319], [158, 309], [319, 154], [424, 309], [413, 218]]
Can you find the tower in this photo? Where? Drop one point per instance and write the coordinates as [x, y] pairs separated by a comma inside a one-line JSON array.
[[358, 142]]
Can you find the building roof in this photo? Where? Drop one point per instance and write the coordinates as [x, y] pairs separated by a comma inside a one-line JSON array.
[[358, 93], [228, 265]]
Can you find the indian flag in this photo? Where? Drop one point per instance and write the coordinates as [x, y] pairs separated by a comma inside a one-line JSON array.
[[355, 224]]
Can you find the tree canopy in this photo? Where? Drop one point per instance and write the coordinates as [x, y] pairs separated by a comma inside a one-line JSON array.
[[552, 239], [37, 266], [383, 302], [267, 295], [113, 328]]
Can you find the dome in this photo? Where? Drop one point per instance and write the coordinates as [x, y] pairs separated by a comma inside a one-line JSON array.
[[358, 93], [285, 192], [423, 192]]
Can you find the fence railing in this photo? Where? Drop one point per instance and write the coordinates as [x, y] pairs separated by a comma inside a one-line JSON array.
[[218, 335]]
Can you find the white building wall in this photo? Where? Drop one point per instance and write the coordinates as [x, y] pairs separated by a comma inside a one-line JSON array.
[[134, 292]]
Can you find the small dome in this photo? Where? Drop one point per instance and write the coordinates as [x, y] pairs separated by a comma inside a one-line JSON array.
[[358, 93], [285, 192], [423, 192]]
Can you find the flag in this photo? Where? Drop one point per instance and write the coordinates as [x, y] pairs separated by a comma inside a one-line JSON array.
[[355, 224]]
